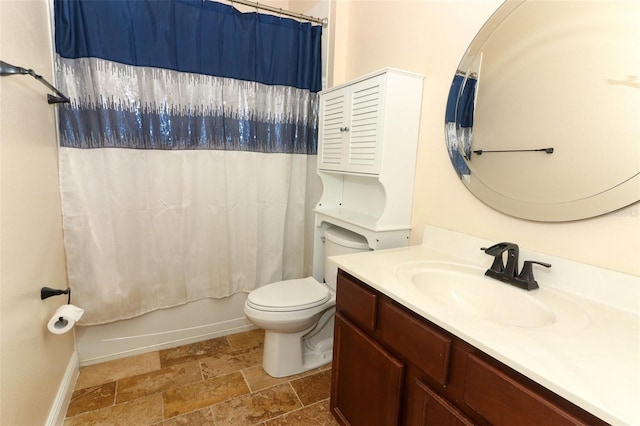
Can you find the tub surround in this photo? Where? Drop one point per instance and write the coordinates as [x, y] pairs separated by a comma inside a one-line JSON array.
[[166, 328], [590, 360]]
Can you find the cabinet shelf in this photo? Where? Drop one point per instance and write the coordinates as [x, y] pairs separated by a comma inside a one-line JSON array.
[[356, 219], [346, 216], [378, 238]]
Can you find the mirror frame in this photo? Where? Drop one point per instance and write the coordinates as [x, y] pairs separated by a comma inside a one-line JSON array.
[[617, 197]]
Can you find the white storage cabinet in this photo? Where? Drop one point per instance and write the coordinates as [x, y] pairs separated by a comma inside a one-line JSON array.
[[368, 136]]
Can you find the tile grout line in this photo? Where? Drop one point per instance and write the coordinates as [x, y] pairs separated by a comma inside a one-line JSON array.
[[201, 372], [213, 417], [162, 405], [219, 402], [296, 394], [115, 394], [251, 393], [244, 377], [292, 411]]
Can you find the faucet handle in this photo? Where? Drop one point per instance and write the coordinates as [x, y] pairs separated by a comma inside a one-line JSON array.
[[498, 264], [527, 272], [498, 249]]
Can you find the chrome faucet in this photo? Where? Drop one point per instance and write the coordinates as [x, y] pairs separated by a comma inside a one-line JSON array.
[[509, 273]]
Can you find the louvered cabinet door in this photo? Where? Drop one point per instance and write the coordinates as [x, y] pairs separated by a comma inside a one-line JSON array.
[[333, 129], [364, 135], [351, 127]]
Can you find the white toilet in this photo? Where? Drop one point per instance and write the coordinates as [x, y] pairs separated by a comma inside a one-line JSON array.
[[297, 315]]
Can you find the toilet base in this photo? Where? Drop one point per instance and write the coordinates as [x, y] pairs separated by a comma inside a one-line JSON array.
[[286, 354]]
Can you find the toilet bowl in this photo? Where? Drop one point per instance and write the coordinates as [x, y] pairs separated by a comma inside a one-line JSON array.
[[297, 315]]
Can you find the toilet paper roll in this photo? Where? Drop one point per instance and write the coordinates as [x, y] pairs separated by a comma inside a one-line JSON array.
[[64, 319]]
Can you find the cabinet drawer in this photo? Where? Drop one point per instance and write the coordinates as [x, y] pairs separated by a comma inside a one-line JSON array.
[[504, 401], [356, 302], [424, 346]]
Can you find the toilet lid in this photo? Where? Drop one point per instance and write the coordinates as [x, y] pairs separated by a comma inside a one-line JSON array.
[[289, 295]]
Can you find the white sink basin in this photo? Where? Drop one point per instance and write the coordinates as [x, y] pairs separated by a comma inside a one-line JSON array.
[[466, 289]]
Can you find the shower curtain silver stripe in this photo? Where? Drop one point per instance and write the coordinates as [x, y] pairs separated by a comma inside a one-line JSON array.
[[132, 89], [122, 106], [323, 21]]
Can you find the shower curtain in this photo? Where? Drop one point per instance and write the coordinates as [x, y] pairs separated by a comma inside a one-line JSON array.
[[186, 153]]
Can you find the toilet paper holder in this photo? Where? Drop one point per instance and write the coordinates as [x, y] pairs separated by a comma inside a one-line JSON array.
[[46, 292]]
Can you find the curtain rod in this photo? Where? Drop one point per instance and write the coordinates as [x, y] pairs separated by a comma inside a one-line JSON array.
[[323, 21]]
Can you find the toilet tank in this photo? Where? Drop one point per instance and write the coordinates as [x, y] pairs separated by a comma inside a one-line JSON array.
[[339, 241]]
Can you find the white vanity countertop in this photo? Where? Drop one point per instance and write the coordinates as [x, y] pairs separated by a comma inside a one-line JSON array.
[[592, 360]]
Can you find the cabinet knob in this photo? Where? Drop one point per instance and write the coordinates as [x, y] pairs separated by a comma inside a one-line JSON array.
[[344, 129]]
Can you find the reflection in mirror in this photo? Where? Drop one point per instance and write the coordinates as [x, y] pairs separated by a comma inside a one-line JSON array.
[[542, 117]]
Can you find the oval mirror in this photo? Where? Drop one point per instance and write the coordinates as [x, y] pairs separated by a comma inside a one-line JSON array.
[[543, 116]]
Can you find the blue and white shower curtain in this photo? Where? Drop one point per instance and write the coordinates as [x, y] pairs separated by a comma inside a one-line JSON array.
[[187, 164]]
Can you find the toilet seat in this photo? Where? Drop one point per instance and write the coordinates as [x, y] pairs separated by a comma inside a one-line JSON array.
[[289, 295]]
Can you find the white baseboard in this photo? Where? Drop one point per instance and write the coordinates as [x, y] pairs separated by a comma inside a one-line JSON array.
[[63, 397]]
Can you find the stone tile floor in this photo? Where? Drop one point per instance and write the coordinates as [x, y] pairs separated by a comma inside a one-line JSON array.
[[215, 382]]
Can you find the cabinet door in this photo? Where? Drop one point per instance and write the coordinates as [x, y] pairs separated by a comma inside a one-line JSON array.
[[333, 126], [351, 122], [367, 381], [432, 409], [364, 135]]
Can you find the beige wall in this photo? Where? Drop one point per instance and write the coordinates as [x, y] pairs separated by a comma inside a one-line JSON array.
[[32, 360], [430, 37], [418, 35]]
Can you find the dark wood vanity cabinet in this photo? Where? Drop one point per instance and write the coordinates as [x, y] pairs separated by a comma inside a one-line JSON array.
[[393, 367]]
